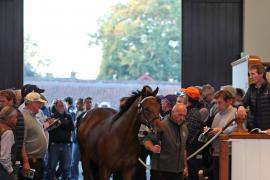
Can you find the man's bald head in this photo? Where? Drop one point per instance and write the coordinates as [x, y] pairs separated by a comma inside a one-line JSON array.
[[179, 113], [179, 106]]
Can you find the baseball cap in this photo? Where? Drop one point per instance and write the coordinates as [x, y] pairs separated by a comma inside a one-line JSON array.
[[192, 92], [171, 98], [28, 88], [34, 97]]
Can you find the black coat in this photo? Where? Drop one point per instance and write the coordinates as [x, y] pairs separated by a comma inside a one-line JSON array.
[[258, 101], [62, 133]]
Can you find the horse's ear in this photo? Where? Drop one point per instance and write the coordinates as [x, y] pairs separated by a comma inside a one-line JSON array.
[[146, 91], [155, 91]]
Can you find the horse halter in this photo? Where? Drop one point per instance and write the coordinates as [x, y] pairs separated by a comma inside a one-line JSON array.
[[143, 111]]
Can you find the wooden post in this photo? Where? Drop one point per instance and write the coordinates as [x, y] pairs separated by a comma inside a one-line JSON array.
[[240, 130], [223, 157]]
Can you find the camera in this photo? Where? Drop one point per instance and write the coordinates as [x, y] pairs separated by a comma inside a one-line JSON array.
[[30, 174]]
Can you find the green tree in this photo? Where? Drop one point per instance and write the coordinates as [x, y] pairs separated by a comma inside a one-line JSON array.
[[139, 37], [32, 60]]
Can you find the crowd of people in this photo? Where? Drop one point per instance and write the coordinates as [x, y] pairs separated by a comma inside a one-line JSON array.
[[39, 142], [204, 111]]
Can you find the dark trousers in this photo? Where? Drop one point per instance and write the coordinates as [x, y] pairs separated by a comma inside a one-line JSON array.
[[213, 171], [215, 168], [140, 169], [194, 165], [4, 174], [74, 169], [38, 165], [59, 152], [161, 175]]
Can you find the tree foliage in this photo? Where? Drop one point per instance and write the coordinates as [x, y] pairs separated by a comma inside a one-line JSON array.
[[141, 36], [32, 60]]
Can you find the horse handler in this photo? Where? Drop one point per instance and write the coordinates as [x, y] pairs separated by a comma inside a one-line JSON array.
[[168, 145]]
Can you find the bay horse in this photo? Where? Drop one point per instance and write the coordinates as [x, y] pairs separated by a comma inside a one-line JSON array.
[[108, 141]]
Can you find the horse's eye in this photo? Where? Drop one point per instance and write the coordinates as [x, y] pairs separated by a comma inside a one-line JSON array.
[[147, 109]]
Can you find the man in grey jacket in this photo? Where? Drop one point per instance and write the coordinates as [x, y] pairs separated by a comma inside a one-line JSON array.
[[168, 145]]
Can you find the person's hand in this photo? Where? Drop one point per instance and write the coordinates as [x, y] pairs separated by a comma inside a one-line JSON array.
[[241, 113], [11, 171], [200, 174], [267, 131], [205, 129], [52, 120], [185, 173], [48, 122], [214, 131], [25, 169], [156, 149]]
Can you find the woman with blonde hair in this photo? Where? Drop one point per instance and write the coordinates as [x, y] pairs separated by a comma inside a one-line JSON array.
[[8, 118]]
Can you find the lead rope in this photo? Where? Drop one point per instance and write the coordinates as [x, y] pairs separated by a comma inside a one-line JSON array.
[[211, 140], [200, 149]]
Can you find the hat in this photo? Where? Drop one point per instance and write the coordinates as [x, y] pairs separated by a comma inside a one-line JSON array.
[[179, 93], [171, 98], [28, 88], [159, 98], [34, 97], [43, 97], [192, 92]]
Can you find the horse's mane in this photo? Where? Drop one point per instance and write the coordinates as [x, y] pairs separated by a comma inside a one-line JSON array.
[[134, 95]]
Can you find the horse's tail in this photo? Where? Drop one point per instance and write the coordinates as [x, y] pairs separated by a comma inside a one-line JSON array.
[[94, 170]]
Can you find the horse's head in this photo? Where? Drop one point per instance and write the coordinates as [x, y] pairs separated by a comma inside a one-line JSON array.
[[149, 109], [148, 106], [148, 115], [147, 91]]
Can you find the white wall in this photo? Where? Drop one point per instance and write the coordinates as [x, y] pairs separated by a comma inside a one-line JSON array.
[[250, 159], [257, 28]]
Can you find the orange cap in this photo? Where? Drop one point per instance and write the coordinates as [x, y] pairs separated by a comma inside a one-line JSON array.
[[192, 92]]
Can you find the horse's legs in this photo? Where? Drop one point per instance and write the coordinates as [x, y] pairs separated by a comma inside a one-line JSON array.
[[128, 173], [86, 168], [104, 173]]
